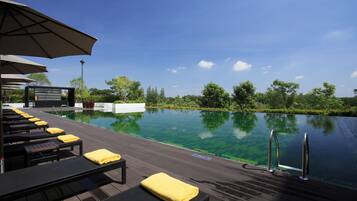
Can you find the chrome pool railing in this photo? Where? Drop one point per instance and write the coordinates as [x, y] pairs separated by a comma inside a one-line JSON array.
[[304, 170]]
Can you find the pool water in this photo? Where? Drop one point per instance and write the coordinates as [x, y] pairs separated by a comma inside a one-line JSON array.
[[244, 136]]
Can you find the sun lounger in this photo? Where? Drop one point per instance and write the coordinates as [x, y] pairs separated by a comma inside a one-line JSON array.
[[17, 122], [25, 137], [138, 193], [24, 127], [19, 183], [12, 150]]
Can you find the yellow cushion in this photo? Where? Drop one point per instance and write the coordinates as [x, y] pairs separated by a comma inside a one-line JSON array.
[[34, 119], [102, 156], [68, 138], [27, 116], [41, 123], [54, 130], [168, 188]]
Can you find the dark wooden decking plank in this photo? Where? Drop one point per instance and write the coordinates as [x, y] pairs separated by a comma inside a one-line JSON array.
[[220, 178]]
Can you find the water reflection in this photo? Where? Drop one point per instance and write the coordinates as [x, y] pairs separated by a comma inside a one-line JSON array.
[[213, 120], [243, 124], [282, 123], [321, 122], [127, 122]]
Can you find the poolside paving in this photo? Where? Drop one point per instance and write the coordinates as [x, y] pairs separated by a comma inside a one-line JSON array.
[[222, 179]]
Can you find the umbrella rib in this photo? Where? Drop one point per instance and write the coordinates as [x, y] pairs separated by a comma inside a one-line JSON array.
[[2, 22], [37, 33], [59, 36], [54, 21], [34, 39], [24, 27]]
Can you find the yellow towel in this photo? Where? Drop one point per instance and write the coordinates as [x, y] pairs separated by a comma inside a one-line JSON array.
[[41, 123], [28, 116], [168, 188], [68, 138], [34, 119], [54, 130], [102, 156]]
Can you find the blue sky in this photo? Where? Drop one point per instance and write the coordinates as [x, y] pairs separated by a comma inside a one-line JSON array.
[[181, 45]]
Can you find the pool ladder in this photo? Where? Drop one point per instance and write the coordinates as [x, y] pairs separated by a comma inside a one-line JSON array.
[[304, 170]]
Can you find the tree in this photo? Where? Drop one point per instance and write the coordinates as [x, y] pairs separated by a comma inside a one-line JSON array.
[[243, 94], [41, 79], [214, 96], [81, 92], [152, 96], [282, 94], [162, 95], [323, 98], [125, 89]]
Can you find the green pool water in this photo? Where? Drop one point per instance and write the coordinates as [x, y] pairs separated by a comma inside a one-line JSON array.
[[244, 136]]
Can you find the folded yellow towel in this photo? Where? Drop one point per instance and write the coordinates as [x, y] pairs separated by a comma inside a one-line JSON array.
[[34, 119], [41, 123], [68, 138], [54, 130], [168, 188], [102, 156], [28, 116]]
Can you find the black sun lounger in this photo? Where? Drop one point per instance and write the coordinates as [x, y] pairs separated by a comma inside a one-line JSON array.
[[24, 127], [11, 150], [16, 122], [25, 137], [19, 183], [13, 117], [138, 193]]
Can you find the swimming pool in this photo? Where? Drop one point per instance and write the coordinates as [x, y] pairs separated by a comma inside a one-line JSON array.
[[244, 136]]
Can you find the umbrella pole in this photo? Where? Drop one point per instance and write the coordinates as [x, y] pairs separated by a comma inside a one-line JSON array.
[[2, 164]]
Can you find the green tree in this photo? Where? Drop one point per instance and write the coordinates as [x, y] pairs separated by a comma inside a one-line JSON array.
[[323, 98], [81, 92], [125, 89], [152, 96], [214, 96], [162, 95], [41, 79], [243, 95], [282, 94]]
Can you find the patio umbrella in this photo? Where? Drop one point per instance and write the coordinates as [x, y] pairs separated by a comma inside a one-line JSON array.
[[12, 78], [25, 31], [18, 65]]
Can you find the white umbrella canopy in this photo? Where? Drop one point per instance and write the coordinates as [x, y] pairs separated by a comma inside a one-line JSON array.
[[10, 78], [25, 31], [10, 64]]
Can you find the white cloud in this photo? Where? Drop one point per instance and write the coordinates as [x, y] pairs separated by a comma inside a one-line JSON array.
[[299, 77], [206, 64], [175, 86], [172, 70], [182, 68], [176, 70], [241, 66], [265, 68], [337, 35], [354, 74]]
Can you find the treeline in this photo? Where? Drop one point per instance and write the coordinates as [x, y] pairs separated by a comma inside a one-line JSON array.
[[280, 96]]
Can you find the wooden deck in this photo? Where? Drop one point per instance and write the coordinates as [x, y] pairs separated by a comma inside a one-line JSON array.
[[222, 179]]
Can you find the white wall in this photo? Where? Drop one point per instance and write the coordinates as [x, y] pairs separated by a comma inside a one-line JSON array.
[[15, 105]]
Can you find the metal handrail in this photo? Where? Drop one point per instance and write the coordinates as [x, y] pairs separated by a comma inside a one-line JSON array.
[[305, 156]]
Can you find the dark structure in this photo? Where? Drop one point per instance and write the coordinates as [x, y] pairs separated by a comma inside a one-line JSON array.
[[48, 96]]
